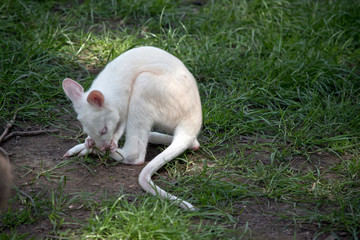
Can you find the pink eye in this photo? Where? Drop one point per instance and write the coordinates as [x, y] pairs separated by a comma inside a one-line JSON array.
[[103, 131]]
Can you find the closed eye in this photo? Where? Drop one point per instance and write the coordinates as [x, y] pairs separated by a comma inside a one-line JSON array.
[[103, 131]]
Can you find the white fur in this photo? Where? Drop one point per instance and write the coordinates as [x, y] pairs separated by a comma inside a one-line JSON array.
[[142, 88]]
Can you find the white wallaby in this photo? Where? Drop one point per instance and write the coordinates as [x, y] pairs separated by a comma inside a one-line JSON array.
[[143, 88]]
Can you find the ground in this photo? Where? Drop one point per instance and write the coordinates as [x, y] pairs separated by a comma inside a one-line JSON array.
[[37, 168]]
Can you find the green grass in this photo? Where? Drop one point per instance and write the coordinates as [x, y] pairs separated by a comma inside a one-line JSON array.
[[284, 73], [145, 218]]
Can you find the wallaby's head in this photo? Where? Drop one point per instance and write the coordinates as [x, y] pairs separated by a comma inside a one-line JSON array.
[[99, 120]]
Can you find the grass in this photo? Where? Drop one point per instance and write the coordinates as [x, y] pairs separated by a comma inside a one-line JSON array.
[[284, 74], [143, 219]]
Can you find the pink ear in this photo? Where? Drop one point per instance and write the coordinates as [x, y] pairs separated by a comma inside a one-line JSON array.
[[73, 90], [96, 98]]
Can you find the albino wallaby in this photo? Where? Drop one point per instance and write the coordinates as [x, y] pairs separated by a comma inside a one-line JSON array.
[[5, 178], [142, 88]]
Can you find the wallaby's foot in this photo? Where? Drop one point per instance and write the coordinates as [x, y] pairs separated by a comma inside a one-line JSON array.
[[75, 150], [80, 150], [130, 159], [160, 138]]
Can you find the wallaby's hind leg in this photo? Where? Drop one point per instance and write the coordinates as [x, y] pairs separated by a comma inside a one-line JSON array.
[[160, 138]]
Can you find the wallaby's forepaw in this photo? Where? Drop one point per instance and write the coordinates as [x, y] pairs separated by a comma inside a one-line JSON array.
[[81, 149], [113, 146], [89, 142]]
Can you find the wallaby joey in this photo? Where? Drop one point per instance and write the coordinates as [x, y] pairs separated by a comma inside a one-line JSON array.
[[143, 88]]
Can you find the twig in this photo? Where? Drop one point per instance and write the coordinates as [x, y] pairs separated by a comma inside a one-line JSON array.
[[4, 136], [8, 126], [30, 133]]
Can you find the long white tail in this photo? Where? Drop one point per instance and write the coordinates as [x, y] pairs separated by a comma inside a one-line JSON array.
[[178, 146]]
